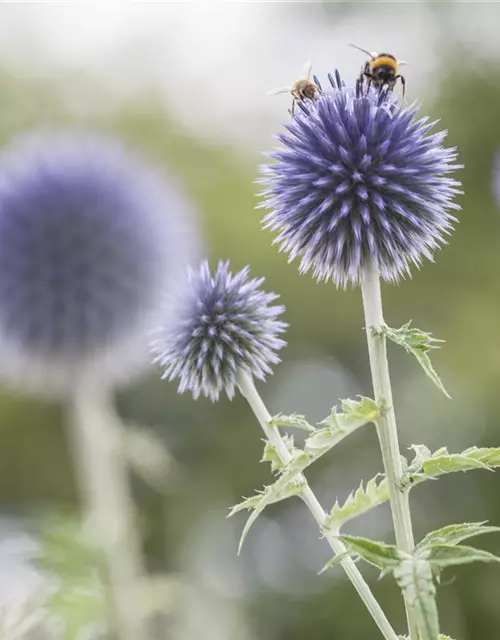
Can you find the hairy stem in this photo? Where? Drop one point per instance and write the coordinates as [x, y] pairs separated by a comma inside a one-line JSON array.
[[97, 441], [248, 390], [386, 425]]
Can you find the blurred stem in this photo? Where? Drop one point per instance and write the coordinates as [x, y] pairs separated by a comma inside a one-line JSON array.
[[248, 390], [104, 484], [386, 425]]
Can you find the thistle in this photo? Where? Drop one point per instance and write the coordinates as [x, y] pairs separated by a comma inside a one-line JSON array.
[[360, 192], [360, 179], [220, 332], [216, 326], [90, 237]]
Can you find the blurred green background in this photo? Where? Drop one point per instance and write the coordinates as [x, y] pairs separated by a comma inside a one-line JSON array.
[[201, 114]]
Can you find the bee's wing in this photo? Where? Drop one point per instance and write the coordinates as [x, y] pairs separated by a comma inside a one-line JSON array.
[[372, 54], [305, 73], [275, 92]]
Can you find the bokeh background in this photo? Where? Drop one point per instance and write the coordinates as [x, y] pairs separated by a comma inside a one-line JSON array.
[[185, 84]]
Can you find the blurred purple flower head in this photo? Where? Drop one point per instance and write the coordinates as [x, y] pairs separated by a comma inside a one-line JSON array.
[[359, 179], [224, 323], [89, 239]]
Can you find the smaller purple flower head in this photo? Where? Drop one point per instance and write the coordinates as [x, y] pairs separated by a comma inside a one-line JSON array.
[[90, 237], [223, 323], [360, 180]]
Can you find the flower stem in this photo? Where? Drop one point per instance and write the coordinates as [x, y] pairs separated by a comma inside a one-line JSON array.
[[97, 441], [386, 425], [248, 390]]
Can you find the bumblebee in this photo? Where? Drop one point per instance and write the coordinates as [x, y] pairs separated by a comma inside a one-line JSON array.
[[382, 70], [300, 89]]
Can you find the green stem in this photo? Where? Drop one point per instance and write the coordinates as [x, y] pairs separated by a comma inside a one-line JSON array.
[[386, 426], [97, 441], [248, 390]]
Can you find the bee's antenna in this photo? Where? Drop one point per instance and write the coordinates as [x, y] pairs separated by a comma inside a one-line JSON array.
[[372, 54]]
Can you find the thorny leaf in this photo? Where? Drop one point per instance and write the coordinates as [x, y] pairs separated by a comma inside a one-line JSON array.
[[367, 497], [293, 420], [454, 534], [417, 343]]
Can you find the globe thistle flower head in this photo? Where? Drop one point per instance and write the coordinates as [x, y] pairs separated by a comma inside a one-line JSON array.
[[359, 179], [90, 237], [224, 323]]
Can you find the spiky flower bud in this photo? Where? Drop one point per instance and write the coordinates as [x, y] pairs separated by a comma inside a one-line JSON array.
[[89, 239], [224, 323], [359, 179]]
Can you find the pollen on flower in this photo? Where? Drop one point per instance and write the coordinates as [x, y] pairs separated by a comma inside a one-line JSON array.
[[359, 179], [216, 325]]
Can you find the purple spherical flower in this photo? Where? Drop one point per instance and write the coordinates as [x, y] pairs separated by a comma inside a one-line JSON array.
[[360, 179], [224, 323], [89, 239]]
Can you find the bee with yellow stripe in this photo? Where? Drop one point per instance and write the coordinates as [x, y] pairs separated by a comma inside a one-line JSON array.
[[382, 70]]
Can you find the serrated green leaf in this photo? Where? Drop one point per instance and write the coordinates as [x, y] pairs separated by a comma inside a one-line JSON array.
[[269, 496], [424, 466], [321, 440], [384, 556], [455, 533], [353, 414], [417, 343], [422, 454], [414, 577], [271, 455], [289, 484], [412, 469], [439, 465], [337, 559], [359, 502], [293, 420], [441, 462], [248, 503], [341, 423], [442, 555]]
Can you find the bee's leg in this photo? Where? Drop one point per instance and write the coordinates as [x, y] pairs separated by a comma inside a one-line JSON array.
[[360, 83], [293, 106], [369, 77], [403, 82]]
